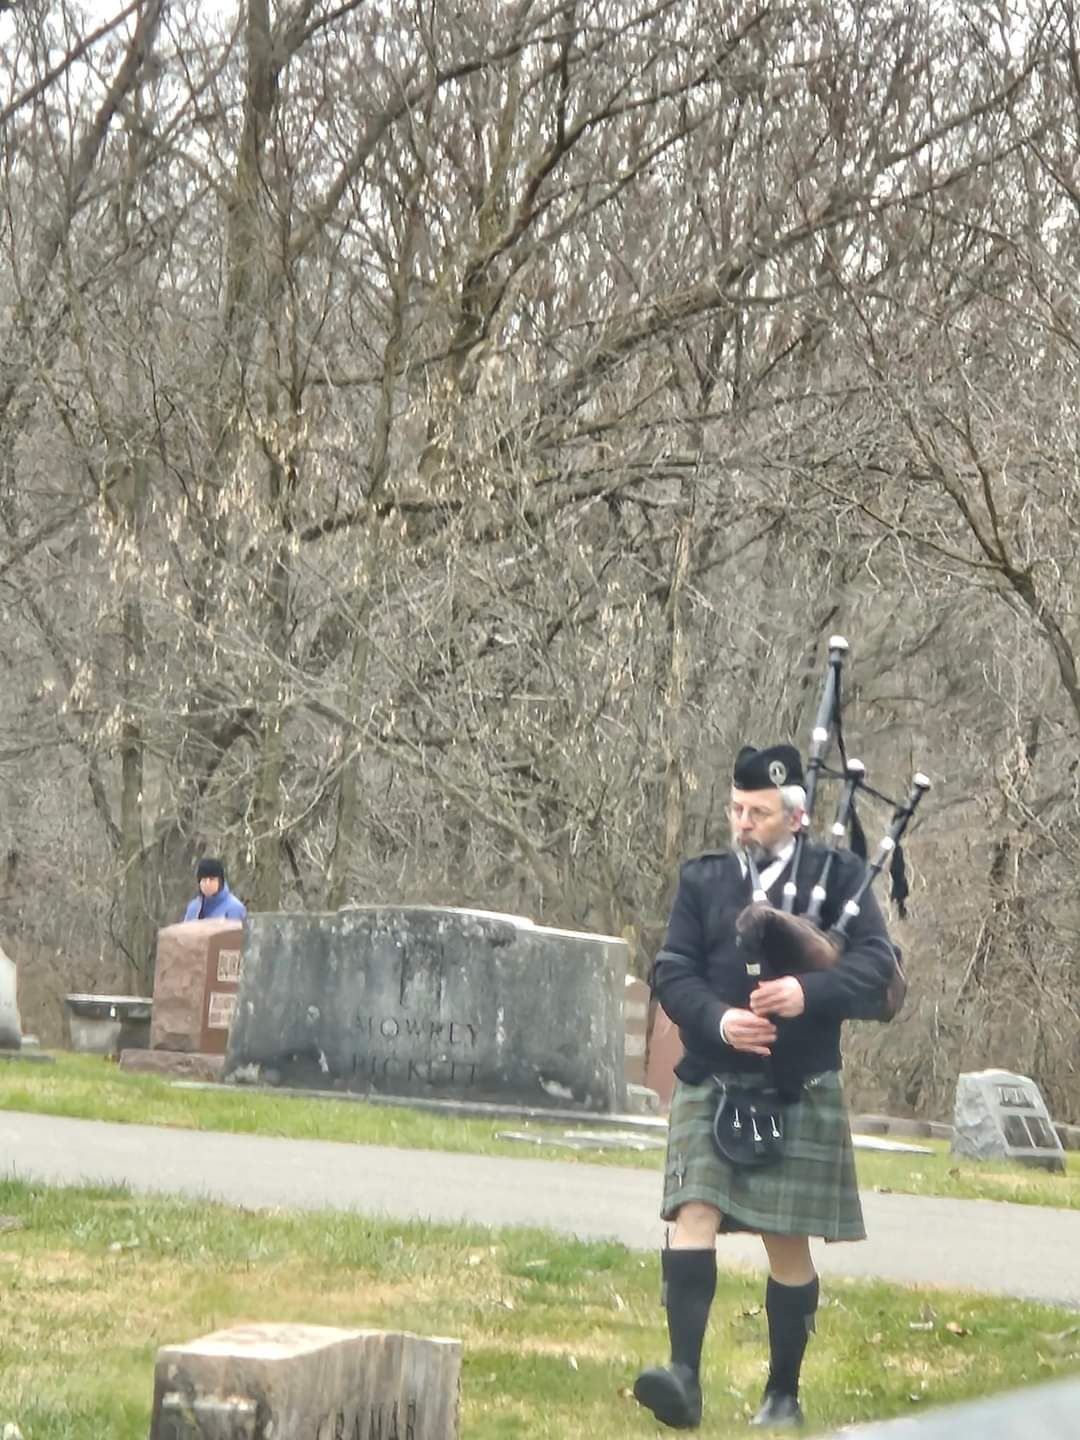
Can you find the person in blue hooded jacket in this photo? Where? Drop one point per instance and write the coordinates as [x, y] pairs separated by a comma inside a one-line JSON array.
[[215, 901]]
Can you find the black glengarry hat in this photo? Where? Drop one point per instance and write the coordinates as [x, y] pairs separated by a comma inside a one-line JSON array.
[[767, 769], [210, 869]]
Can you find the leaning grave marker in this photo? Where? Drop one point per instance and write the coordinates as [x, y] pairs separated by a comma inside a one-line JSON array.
[[1002, 1116], [432, 1002], [307, 1382]]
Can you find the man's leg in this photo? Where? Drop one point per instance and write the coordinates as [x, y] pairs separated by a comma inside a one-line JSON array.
[[791, 1299], [673, 1393]]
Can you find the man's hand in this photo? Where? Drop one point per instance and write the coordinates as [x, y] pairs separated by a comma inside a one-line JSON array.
[[747, 1032], [783, 997]]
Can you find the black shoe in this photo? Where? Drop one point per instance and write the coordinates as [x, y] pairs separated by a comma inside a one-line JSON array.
[[672, 1393], [779, 1412]]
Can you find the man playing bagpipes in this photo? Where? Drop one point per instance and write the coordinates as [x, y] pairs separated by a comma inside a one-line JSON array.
[[770, 947]]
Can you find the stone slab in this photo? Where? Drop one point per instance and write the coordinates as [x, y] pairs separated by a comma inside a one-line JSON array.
[[174, 1064], [307, 1382], [1002, 1116], [187, 955], [583, 1140], [882, 1143], [424, 1002]]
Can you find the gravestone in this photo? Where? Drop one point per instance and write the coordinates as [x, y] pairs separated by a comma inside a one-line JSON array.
[[307, 1382], [423, 1001], [1002, 1116], [10, 1024], [196, 977]]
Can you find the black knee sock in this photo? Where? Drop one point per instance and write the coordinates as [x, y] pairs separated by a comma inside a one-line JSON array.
[[790, 1310], [689, 1287]]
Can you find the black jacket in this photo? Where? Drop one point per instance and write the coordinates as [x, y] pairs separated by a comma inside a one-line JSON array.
[[700, 972]]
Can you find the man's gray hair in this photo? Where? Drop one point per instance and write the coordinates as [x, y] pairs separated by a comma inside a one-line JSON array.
[[792, 797]]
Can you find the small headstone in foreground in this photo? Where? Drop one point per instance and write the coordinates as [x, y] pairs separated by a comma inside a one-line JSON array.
[[1002, 1116], [307, 1382]]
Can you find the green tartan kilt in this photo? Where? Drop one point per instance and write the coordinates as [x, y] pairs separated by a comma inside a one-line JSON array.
[[811, 1191]]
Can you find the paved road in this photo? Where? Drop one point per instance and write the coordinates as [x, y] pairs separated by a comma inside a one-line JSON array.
[[964, 1244]]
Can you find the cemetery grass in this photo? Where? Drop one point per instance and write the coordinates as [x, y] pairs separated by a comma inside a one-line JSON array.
[[554, 1330], [90, 1087]]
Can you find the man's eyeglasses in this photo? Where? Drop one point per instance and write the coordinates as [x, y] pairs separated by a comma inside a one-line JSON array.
[[754, 813]]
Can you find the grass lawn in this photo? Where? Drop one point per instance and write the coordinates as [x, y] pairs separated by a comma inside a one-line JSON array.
[[88, 1087], [94, 1281]]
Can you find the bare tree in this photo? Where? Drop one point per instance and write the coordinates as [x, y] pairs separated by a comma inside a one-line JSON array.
[[430, 443]]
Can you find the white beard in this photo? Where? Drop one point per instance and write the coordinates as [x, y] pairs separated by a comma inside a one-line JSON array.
[[757, 852]]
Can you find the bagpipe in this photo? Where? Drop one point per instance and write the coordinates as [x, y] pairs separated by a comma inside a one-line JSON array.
[[748, 1125], [784, 943]]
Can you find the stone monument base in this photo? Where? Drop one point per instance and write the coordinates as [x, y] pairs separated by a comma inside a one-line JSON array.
[[173, 1064]]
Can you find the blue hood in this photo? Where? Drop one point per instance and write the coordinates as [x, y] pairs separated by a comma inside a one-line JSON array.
[[222, 906]]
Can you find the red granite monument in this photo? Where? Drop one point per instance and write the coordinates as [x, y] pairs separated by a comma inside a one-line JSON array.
[[196, 979]]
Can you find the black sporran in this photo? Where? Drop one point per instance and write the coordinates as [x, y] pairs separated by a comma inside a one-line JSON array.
[[748, 1127]]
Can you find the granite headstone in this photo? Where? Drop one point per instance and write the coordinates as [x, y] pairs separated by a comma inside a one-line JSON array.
[[196, 969], [432, 1002], [1002, 1116]]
